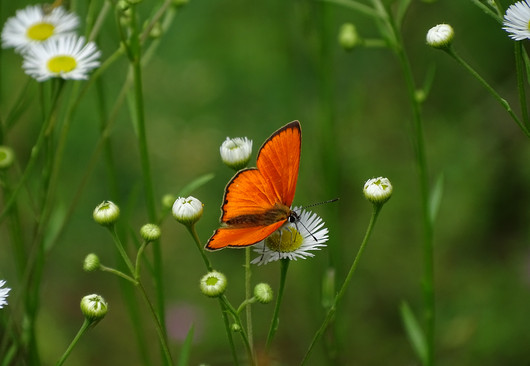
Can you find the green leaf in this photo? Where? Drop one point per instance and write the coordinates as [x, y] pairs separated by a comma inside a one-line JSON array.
[[184, 356], [402, 8], [436, 198], [414, 332], [195, 184]]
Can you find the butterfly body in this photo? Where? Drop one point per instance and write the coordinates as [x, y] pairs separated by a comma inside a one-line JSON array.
[[257, 201]]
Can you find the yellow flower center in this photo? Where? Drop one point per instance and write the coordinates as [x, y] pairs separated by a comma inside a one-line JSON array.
[[286, 240], [40, 31], [59, 64]]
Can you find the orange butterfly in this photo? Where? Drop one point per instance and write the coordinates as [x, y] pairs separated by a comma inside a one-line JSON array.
[[257, 201]]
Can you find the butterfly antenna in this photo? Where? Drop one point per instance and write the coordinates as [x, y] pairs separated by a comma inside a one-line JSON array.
[[321, 203]]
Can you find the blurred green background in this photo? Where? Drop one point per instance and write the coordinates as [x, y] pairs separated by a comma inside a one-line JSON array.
[[239, 68]]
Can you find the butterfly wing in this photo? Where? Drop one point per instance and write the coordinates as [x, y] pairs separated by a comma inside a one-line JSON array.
[[257, 201], [279, 159], [239, 237]]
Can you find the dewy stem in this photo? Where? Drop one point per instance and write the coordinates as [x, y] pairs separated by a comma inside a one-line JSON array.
[[342, 291]]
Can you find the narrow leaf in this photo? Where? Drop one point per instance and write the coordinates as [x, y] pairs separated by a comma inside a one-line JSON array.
[[402, 8], [436, 198], [414, 332], [184, 356], [195, 184]]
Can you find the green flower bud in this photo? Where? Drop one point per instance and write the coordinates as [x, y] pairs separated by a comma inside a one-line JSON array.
[[106, 213], [91, 263], [168, 200], [187, 211], [150, 232], [263, 293], [213, 284], [7, 157], [378, 190], [236, 328], [94, 308], [348, 36]]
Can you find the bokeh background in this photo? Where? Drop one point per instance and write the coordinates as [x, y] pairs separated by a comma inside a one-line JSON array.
[[240, 68]]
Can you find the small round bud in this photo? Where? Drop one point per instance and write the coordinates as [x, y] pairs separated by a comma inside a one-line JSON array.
[[213, 284], [236, 328], [168, 200], [377, 190], [263, 293], [348, 36], [7, 157], [236, 152], [91, 263], [156, 31], [440, 36], [187, 211], [106, 213], [150, 232], [94, 307]]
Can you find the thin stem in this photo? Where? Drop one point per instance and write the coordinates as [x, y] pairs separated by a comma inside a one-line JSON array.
[[229, 308], [276, 315], [118, 273], [82, 330], [138, 259], [193, 232], [248, 295], [503, 102], [519, 66], [342, 291], [158, 325], [120, 248]]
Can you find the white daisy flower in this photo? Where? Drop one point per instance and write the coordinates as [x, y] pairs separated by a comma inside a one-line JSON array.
[[4, 292], [33, 25], [517, 20], [66, 57], [294, 240]]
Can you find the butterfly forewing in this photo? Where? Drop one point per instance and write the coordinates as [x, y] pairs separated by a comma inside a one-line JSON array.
[[278, 161]]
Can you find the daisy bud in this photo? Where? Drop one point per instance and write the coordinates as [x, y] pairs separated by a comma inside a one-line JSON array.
[[168, 200], [187, 211], [106, 213], [213, 284], [440, 36], [7, 157], [150, 232], [236, 328], [236, 152], [263, 293], [377, 190], [91, 263], [94, 307], [348, 36]]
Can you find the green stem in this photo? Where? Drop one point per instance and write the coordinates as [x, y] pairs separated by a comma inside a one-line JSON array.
[[248, 295], [503, 102], [193, 232], [225, 304], [520, 69], [160, 330], [82, 330], [138, 259], [276, 316], [118, 273], [120, 248], [342, 291]]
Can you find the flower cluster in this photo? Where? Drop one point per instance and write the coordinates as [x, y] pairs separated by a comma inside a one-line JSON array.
[[46, 39]]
